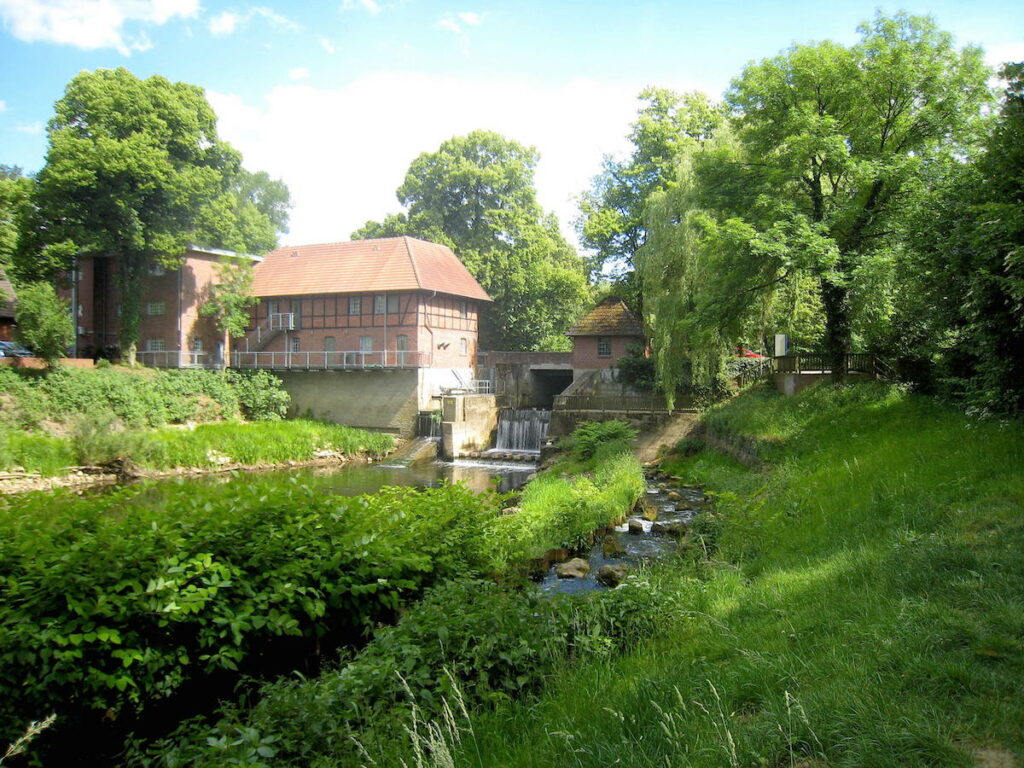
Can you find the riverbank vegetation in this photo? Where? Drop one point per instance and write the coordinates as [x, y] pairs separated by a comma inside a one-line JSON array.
[[127, 611], [157, 419], [857, 603]]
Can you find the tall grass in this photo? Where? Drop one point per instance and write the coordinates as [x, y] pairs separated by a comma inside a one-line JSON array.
[[100, 440], [858, 604]]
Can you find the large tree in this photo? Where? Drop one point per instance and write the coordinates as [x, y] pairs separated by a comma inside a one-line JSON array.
[[964, 276], [135, 170], [843, 136], [476, 194], [612, 221], [15, 190]]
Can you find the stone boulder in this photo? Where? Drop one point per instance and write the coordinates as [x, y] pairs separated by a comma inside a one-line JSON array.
[[612, 575], [611, 546], [636, 527], [577, 568], [676, 528]]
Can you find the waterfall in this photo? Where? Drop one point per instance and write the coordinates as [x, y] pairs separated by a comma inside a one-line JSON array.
[[521, 430]]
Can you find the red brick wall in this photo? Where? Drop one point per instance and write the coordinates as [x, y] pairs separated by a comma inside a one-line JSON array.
[[584, 351]]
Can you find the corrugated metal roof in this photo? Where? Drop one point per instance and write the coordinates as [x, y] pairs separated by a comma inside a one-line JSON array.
[[365, 266], [609, 318]]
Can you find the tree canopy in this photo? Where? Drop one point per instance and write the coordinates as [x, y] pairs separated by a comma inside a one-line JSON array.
[[476, 194], [135, 169], [829, 147]]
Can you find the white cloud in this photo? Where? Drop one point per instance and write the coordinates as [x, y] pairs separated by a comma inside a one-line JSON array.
[[999, 54], [327, 45], [471, 19], [348, 154], [224, 23], [32, 129], [3, 105], [298, 73], [449, 23], [227, 22], [369, 5], [91, 24]]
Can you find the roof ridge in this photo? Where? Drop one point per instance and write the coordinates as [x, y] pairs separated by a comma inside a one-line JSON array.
[[412, 260]]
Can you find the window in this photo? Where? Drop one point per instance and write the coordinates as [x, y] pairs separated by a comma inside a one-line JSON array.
[[401, 342], [328, 343], [604, 346], [355, 305], [273, 307], [156, 270], [393, 304], [155, 345], [156, 308], [197, 345], [295, 345], [366, 343], [463, 309], [463, 347], [379, 304]]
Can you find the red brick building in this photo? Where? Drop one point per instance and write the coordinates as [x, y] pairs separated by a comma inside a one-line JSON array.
[[395, 302], [172, 334], [604, 335]]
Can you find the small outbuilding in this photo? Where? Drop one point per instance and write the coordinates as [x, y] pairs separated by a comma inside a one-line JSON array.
[[604, 335]]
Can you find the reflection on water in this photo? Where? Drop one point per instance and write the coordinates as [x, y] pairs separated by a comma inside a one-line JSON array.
[[357, 479]]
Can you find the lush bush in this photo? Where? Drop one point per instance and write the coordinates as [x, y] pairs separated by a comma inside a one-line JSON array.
[[108, 605], [260, 394], [590, 436], [637, 369], [44, 321], [468, 644]]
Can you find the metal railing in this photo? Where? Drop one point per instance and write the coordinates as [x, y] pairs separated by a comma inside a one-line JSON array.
[[342, 361], [175, 359], [645, 403], [822, 363]]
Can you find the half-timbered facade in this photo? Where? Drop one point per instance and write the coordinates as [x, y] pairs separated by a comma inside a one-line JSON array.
[[388, 303]]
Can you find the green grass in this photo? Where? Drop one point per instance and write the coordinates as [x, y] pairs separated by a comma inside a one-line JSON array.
[[205, 446], [861, 604]]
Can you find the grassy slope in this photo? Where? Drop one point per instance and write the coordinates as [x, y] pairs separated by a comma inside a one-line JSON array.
[[864, 605]]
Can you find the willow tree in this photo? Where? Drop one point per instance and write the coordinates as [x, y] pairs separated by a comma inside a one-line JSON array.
[[135, 170]]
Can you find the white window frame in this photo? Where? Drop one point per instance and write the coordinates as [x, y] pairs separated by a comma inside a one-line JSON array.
[[606, 343], [156, 345], [156, 308]]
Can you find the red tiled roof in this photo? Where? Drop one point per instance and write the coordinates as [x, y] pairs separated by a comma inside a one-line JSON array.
[[7, 302], [365, 266], [609, 318]]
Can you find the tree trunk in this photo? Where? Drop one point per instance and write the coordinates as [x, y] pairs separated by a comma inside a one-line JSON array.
[[837, 327], [226, 355]]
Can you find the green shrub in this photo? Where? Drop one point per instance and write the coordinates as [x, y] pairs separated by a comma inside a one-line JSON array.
[[590, 436], [260, 394], [110, 604]]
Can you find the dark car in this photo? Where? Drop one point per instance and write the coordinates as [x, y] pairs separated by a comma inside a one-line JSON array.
[[10, 349]]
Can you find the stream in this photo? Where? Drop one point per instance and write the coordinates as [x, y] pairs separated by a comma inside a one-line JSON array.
[[643, 540]]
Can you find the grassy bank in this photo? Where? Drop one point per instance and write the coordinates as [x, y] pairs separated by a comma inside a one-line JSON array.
[[158, 420], [858, 604], [206, 446]]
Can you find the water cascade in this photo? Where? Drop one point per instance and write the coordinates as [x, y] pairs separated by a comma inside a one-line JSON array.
[[521, 430]]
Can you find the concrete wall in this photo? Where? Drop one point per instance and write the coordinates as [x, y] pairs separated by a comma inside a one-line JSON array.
[[384, 400], [790, 383], [469, 423]]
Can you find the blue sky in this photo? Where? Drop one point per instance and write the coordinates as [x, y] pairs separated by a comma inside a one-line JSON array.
[[336, 97]]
